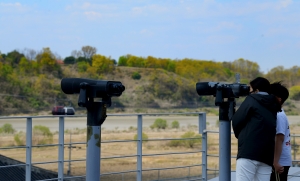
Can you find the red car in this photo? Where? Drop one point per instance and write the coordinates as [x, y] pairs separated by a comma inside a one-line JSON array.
[[58, 110]]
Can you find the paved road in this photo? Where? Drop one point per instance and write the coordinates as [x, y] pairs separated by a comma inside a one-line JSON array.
[[113, 122]]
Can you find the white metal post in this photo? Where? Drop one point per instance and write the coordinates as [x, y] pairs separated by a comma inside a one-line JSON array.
[[202, 130], [28, 148], [139, 148], [93, 153], [61, 148]]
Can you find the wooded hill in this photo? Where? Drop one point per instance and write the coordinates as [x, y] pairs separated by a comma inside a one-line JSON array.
[[30, 84]]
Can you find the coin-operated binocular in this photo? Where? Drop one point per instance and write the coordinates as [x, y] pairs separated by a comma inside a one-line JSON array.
[[88, 90], [222, 90], [225, 95]]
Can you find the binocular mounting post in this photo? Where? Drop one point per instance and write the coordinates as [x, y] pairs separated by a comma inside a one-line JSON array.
[[96, 115]]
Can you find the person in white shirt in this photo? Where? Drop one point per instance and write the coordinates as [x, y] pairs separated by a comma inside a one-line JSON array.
[[282, 153]]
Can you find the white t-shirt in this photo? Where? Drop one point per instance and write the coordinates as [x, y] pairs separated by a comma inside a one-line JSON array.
[[282, 127]]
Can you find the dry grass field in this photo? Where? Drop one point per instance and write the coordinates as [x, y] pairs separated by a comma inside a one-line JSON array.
[[78, 152]]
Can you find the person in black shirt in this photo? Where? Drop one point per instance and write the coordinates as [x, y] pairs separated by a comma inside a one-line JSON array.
[[254, 125]]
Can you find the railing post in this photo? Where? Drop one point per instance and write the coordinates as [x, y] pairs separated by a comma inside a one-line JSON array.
[[28, 148], [139, 147], [61, 129], [202, 130]]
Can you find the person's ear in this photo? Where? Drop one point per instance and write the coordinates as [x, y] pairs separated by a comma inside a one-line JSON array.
[[279, 99]]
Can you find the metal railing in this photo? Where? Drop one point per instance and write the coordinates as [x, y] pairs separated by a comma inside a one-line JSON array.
[[295, 148], [139, 154]]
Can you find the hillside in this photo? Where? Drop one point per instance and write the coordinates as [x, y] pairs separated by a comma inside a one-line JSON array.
[[156, 89], [32, 86]]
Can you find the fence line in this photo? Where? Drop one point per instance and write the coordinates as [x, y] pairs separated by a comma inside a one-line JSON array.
[[139, 154], [139, 170]]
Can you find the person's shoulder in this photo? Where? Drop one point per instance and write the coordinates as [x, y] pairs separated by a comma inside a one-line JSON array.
[[281, 115]]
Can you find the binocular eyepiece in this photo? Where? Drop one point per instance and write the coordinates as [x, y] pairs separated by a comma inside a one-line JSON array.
[[234, 90], [95, 88], [89, 89]]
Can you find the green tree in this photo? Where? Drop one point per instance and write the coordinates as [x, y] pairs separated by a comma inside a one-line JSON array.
[[102, 64], [5, 70], [14, 57], [83, 59], [25, 66], [82, 66], [47, 62], [123, 60], [69, 60]]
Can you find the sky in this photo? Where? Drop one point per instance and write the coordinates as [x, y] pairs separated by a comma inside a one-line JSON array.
[[263, 31]]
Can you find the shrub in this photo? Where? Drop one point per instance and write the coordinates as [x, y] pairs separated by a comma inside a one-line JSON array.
[[144, 137], [42, 135], [7, 128], [19, 139], [188, 142], [159, 124], [175, 124], [136, 75], [191, 142], [175, 143]]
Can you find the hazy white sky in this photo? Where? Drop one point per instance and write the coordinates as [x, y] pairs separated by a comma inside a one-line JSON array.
[[263, 31]]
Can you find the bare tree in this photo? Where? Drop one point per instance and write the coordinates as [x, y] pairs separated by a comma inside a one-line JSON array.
[[30, 54], [88, 51], [76, 54]]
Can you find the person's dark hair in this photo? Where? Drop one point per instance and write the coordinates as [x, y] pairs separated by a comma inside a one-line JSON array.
[[261, 84], [279, 90]]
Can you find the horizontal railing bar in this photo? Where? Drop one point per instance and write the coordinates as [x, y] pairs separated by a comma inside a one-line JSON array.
[[18, 165], [64, 178], [168, 168], [46, 145], [125, 156], [115, 141], [12, 147], [75, 143], [192, 179], [48, 179], [210, 169], [213, 155], [157, 139], [211, 131], [84, 115], [155, 114], [294, 175], [162, 139], [111, 173], [77, 160], [41, 163], [172, 153]]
